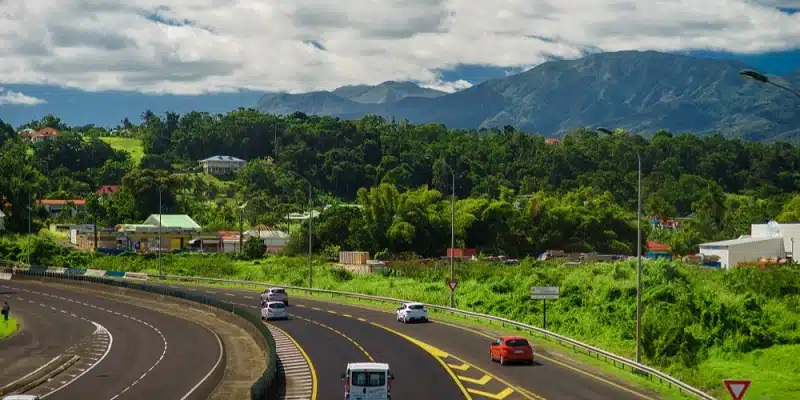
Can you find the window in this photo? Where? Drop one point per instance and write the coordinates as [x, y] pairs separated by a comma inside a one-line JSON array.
[[279, 291], [416, 307], [277, 305], [516, 342], [368, 379]]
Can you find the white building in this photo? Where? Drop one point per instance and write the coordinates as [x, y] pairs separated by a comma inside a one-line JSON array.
[[221, 165], [765, 240]]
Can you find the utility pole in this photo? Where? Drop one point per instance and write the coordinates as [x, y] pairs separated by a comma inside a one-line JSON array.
[[310, 215]]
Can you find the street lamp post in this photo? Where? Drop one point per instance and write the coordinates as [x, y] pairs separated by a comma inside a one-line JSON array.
[[310, 214], [30, 207], [452, 227], [160, 239], [638, 250], [759, 77]]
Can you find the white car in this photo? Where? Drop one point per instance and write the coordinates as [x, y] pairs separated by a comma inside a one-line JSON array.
[[274, 310], [368, 381], [275, 294], [412, 312]]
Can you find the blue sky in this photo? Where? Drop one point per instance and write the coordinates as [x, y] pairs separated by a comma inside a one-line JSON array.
[[116, 54]]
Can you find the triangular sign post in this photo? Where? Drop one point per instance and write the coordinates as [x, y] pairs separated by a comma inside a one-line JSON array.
[[453, 284], [737, 387]]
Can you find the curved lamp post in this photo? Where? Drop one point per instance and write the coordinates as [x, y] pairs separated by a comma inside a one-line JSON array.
[[759, 77], [452, 227], [310, 214], [638, 250]]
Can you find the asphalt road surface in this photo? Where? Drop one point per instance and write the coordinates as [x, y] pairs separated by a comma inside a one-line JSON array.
[[151, 355], [435, 360], [332, 342]]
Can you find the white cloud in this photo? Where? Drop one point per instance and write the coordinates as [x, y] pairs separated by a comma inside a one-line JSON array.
[[17, 98], [225, 45]]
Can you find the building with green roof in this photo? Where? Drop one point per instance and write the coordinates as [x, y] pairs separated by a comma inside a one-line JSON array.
[[173, 222]]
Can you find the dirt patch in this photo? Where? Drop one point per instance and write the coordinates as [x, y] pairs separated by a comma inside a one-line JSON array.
[[245, 349]]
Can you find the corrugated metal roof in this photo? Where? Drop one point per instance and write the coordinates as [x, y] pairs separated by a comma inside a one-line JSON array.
[[741, 240], [172, 221], [223, 158], [269, 234]]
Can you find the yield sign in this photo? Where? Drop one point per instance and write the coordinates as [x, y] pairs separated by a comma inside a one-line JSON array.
[[736, 388], [453, 284]]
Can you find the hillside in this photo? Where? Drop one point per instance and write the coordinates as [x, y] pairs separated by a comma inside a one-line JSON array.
[[640, 91]]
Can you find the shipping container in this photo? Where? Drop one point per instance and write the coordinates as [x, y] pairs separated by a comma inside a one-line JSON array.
[[461, 252], [353, 257]]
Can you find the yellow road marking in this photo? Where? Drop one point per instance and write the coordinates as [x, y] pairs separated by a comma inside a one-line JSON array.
[[308, 360], [499, 396], [561, 363], [348, 315], [340, 334], [484, 379], [462, 367]]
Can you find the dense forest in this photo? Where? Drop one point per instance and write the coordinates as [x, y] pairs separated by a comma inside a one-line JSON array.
[[516, 194]]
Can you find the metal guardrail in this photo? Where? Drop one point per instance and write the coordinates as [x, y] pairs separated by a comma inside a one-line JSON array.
[[633, 365], [263, 389]]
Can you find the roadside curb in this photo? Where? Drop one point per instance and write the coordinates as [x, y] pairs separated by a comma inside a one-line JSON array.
[[39, 376]]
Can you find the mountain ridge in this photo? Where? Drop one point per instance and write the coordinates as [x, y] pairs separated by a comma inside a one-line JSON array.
[[641, 91]]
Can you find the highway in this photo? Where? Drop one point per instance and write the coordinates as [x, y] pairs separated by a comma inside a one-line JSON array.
[[436, 360], [138, 353]]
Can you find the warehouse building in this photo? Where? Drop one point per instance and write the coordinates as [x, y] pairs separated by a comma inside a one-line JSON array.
[[771, 240]]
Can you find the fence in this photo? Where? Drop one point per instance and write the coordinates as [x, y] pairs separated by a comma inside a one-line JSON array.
[[563, 340], [265, 388]]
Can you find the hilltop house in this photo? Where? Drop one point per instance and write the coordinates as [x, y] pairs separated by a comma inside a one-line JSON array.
[[221, 165], [107, 190], [38, 136], [56, 206]]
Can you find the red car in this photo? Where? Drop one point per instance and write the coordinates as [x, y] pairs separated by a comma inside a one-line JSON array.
[[511, 348]]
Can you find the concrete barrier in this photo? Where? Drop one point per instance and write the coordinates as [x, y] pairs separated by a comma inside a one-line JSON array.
[[76, 271], [95, 272], [136, 275], [114, 274], [56, 270], [5, 276]]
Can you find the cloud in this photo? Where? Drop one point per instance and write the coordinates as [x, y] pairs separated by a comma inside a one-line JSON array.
[[445, 86], [16, 98], [197, 46]]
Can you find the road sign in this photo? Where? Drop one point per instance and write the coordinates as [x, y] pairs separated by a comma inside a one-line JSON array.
[[544, 292], [453, 284], [737, 387]]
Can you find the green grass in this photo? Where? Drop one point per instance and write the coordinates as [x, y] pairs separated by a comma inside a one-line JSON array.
[[701, 326], [129, 145], [8, 328]]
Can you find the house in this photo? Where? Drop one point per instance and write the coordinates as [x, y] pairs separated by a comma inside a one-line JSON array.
[[656, 250], [54, 207], [174, 230], [2, 221], [273, 239], [552, 140], [229, 241], [38, 136], [107, 190], [221, 165]]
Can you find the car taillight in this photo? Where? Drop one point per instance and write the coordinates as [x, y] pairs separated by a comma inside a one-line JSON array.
[[389, 385], [347, 385], [425, 309]]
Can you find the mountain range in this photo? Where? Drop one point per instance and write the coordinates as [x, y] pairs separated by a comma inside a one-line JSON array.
[[641, 91]]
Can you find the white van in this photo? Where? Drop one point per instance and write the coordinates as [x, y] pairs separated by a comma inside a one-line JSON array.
[[367, 381]]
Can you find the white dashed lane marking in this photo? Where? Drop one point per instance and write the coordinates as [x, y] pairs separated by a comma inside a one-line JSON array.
[[112, 312], [292, 364]]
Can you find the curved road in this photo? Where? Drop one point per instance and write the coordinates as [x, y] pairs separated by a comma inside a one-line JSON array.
[[149, 354], [427, 359]]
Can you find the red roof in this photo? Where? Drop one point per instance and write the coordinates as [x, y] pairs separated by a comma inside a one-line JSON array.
[[228, 235], [108, 189], [47, 132], [652, 245], [552, 140], [54, 202]]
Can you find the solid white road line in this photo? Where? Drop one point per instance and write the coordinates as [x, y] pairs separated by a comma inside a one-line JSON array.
[[214, 368], [99, 329]]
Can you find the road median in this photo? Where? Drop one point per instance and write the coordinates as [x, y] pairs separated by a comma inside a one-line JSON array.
[[39, 376]]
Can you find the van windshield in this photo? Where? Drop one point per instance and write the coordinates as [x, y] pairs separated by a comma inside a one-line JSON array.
[[368, 379]]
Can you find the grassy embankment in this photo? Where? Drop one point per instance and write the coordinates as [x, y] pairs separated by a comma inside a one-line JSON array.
[[129, 145], [701, 326], [8, 328]]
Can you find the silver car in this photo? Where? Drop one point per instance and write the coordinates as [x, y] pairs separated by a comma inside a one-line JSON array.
[[274, 310], [276, 294]]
